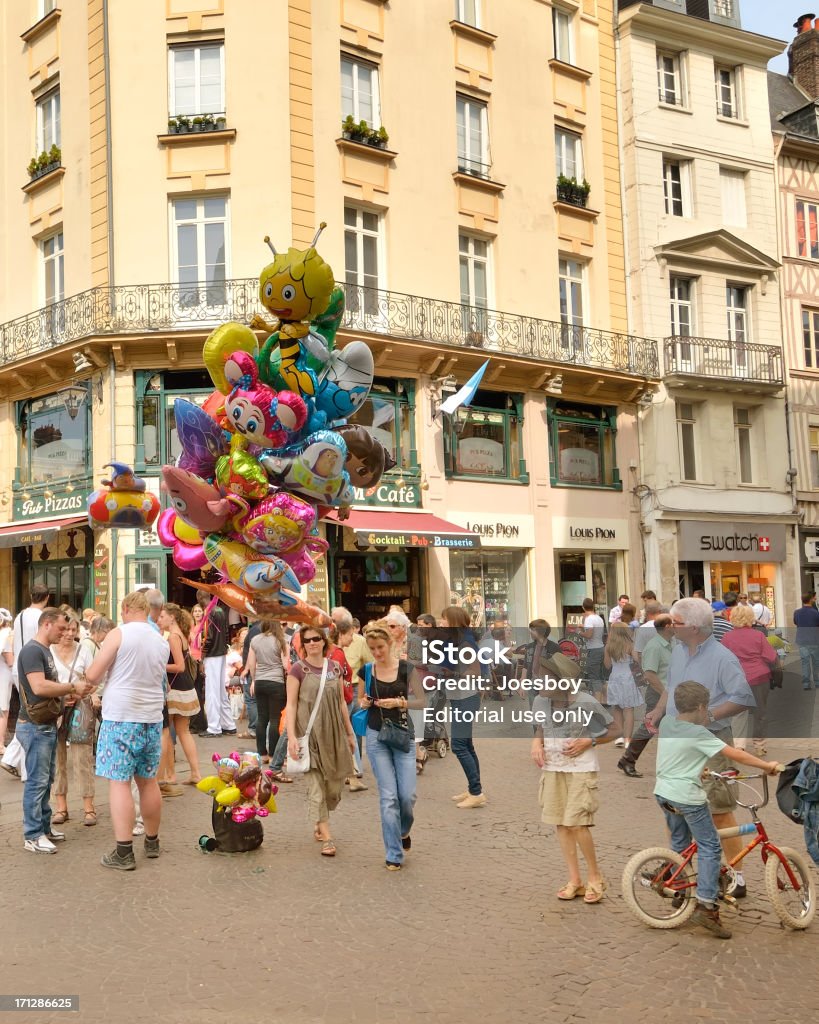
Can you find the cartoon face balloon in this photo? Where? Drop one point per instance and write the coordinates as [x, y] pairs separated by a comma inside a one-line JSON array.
[[261, 415], [314, 469], [347, 381], [278, 523], [367, 458]]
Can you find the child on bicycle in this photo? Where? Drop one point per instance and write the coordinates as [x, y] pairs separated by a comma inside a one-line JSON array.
[[684, 747]]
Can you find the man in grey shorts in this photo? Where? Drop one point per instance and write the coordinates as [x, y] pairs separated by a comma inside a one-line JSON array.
[[699, 658]]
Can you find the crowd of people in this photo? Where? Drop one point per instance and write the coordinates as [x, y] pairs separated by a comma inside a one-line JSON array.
[[115, 701]]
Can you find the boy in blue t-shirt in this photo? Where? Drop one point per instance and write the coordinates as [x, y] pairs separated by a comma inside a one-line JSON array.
[[684, 747]]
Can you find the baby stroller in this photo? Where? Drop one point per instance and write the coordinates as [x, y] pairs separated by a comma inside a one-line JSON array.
[[436, 737]]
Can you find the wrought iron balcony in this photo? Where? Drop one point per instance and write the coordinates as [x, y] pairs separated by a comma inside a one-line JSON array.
[[735, 364], [137, 309]]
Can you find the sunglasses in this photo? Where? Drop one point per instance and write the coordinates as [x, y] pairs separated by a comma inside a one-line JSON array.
[[313, 640]]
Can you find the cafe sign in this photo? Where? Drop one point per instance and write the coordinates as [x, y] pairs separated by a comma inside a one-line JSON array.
[[61, 503], [388, 494]]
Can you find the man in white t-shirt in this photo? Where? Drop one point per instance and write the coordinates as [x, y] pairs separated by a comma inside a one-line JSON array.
[[592, 630], [762, 614], [646, 631], [135, 656], [27, 621], [6, 661], [617, 610]]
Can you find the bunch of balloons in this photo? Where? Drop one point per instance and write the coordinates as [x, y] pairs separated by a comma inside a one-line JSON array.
[[271, 452], [242, 786]]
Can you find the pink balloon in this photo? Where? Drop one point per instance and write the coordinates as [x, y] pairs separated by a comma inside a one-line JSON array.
[[187, 556]]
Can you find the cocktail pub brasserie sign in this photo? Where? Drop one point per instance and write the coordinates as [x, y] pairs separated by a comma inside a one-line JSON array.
[[730, 542]]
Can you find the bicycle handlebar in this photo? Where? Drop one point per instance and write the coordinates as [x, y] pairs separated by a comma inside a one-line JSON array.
[[731, 776]]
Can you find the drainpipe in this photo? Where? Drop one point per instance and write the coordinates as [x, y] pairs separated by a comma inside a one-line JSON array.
[[629, 316], [109, 185], [790, 476], [109, 190]]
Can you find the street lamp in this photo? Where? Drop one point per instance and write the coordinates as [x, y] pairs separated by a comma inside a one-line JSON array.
[[74, 397]]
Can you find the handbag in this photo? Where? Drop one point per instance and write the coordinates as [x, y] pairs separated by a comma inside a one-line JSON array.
[[359, 718], [393, 735], [82, 722], [42, 712], [302, 764], [777, 680]]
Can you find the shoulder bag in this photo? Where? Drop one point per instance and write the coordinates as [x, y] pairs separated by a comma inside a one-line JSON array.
[[359, 717], [302, 763], [391, 734], [46, 711]]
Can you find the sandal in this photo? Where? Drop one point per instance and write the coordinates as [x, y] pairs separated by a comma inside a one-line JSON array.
[[328, 848], [570, 890], [281, 777], [59, 817], [319, 838], [89, 819], [595, 890]]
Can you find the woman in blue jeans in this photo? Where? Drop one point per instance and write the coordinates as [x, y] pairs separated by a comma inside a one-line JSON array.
[[388, 697], [464, 701]]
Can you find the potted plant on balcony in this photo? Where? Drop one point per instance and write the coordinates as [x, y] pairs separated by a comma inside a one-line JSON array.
[[569, 190], [44, 163], [179, 125], [220, 123], [355, 131]]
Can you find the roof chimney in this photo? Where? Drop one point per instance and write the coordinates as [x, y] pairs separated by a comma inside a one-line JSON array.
[[803, 56]]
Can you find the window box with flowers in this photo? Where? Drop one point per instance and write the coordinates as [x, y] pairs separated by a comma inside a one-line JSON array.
[[184, 125], [360, 131], [45, 163], [570, 191]]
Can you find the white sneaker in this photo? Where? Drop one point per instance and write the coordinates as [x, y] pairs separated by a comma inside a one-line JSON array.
[[56, 837], [41, 845], [619, 742], [139, 828]]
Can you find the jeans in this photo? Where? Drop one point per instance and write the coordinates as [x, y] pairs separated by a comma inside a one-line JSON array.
[[280, 753], [250, 705], [271, 697], [462, 746], [395, 776], [641, 737], [810, 665], [40, 745], [695, 820]]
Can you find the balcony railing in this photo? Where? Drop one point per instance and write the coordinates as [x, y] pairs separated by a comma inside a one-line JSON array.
[[728, 360], [138, 309]]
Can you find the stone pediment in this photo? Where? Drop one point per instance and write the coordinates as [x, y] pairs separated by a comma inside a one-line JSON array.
[[717, 249]]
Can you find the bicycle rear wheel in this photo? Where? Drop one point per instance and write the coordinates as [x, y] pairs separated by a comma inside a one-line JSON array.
[[656, 904], [795, 908]]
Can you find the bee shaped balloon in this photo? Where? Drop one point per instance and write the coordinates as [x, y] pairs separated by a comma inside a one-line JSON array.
[[296, 288]]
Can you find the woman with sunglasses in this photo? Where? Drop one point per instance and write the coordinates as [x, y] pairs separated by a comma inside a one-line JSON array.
[[387, 697], [331, 741]]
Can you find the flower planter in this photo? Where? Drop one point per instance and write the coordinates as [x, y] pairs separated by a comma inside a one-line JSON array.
[[42, 171], [574, 195]]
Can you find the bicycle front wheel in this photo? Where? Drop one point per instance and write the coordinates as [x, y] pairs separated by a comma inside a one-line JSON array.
[[656, 904], [795, 907]]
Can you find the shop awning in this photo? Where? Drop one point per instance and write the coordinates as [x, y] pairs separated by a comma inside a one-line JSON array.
[[20, 535], [380, 528]]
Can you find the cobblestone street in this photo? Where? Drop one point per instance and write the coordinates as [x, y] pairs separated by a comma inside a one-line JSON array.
[[471, 927]]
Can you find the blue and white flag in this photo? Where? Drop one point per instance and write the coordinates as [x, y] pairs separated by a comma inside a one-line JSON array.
[[465, 395]]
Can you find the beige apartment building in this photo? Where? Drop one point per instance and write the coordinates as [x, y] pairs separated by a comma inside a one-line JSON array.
[[703, 274], [465, 156], [793, 109]]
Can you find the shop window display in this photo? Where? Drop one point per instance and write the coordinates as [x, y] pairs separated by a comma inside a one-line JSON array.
[[582, 445], [156, 393], [491, 586]]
